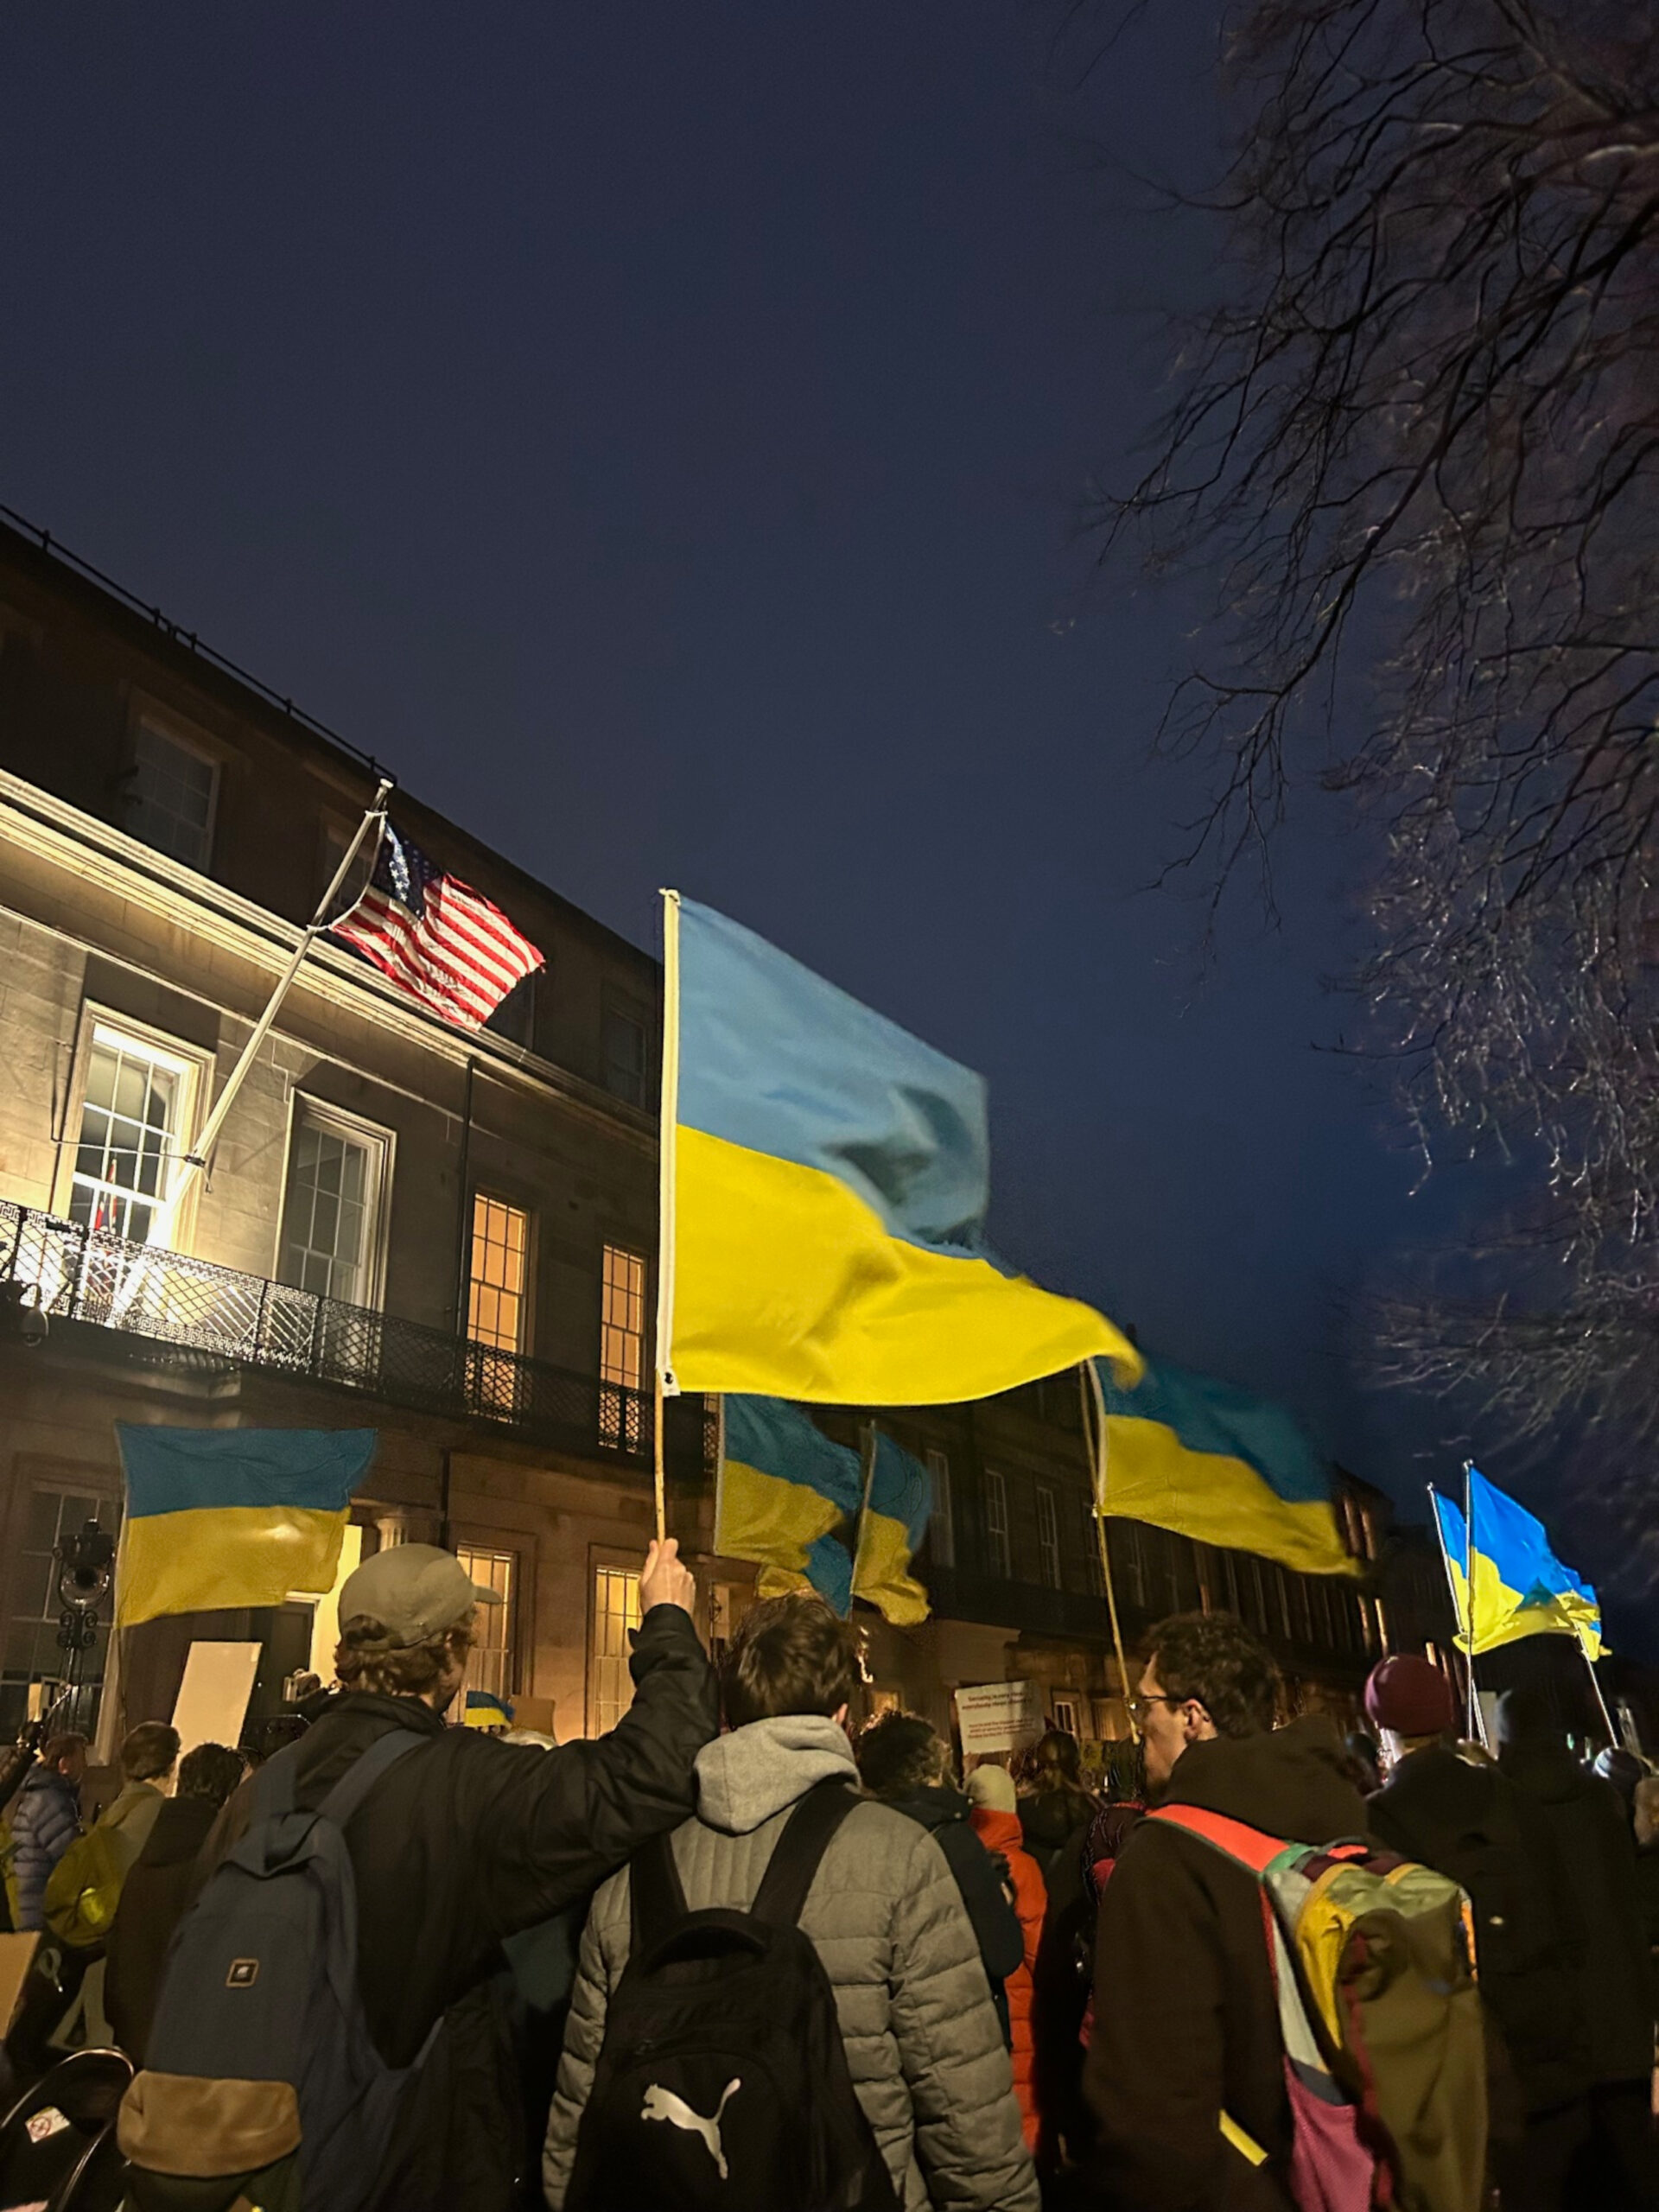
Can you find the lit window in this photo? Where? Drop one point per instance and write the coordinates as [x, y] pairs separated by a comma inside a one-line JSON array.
[[616, 1609], [131, 1123], [942, 1523], [489, 1666], [622, 1350], [624, 1053], [495, 1291], [171, 801], [1048, 1538], [997, 1524], [1065, 1716], [329, 1209]]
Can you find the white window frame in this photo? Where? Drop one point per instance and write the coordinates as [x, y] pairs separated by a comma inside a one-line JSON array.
[[1048, 1536], [194, 1066], [162, 725], [999, 1549], [1067, 1715], [495, 1547], [601, 1563], [382, 1144], [942, 1525]]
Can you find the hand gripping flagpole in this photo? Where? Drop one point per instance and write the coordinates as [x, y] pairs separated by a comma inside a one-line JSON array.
[[195, 1161], [663, 1382], [1094, 1398]]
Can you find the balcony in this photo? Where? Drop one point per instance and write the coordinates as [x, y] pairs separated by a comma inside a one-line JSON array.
[[188, 1313]]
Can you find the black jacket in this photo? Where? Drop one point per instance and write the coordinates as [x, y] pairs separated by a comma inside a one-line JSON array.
[[1471, 1824], [1186, 2024], [465, 1842], [1595, 1870], [161, 1883], [943, 1813]]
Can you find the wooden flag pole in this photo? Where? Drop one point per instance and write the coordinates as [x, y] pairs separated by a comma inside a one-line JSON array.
[[1462, 1615], [1477, 1723], [1595, 1684], [663, 1383], [195, 1161], [1095, 1397]]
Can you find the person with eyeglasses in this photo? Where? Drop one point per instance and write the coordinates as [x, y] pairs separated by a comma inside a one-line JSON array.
[[1186, 2024]]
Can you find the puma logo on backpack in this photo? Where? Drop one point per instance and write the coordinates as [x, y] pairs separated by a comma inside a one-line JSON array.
[[663, 2104]]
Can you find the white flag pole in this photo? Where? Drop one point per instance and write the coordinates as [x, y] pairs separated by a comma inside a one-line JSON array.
[[1095, 1398], [195, 1161], [663, 1382]]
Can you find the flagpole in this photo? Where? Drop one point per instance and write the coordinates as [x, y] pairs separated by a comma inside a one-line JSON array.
[[1477, 1722], [867, 1443], [1461, 1614], [662, 1380], [1595, 1684], [1089, 1381], [196, 1159]]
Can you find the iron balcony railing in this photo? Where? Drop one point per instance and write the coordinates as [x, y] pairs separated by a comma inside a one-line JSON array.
[[77, 1274]]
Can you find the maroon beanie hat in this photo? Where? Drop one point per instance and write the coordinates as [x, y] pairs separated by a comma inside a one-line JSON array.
[[1411, 1697]]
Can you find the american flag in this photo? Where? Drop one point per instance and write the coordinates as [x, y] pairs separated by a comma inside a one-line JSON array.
[[435, 936]]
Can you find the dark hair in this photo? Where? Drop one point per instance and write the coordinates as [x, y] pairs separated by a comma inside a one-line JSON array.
[[368, 1658], [789, 1655], [56, 1749], [148, 1750], [212, 1770], [1225, 1667], [1526, 1716], [899, 1751], [1058, 1754]]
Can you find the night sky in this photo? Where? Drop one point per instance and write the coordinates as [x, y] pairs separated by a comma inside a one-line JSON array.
[[662, 434]]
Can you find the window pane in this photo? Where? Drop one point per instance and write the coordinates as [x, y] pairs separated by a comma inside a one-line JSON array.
[[624, 1054], [325, 1244], [171, 802], [490, 1665], [129, 1137], [622, 1347], [942, 1526], [616, 1609]]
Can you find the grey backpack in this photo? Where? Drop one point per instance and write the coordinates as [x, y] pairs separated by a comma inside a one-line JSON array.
[[262, 2080]]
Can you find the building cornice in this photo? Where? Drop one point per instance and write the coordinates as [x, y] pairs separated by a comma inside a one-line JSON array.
[[53, 830]]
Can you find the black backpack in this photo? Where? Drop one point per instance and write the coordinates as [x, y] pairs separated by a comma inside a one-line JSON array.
[[259, 2068], [723, 2081]]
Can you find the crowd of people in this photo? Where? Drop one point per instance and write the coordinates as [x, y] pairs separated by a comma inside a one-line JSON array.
[[745, 1950]]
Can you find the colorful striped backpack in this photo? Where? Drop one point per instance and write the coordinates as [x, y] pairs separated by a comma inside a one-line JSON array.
[[1373, 1961]]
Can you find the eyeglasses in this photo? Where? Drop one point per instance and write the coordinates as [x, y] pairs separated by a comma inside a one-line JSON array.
[[1141, 1707]]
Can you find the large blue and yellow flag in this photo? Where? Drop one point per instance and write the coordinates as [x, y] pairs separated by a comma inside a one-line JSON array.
[[1206, 1460], [825, 1182], [1520, 1587], [890, 1533], [787, 1498], [220, 1517]]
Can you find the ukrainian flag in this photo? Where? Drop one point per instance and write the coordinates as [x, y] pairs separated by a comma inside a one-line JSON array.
[[1199, 1457], [825, 1180], [786, 1499], [220, 1517], [1520, 1587], [890, 1533]]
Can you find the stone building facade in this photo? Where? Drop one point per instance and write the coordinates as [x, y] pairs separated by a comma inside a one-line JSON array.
[[448, 1236]]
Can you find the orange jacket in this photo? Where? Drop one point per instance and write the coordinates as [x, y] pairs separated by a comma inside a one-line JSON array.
[[1000, 1832]]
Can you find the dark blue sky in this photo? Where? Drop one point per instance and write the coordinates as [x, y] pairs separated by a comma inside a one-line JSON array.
[[661, 433]]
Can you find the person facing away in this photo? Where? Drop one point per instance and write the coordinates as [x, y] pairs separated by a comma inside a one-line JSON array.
[[158, 1888], [1596, 1871], [926, 2057], [1469, 1822], [904, 1761], [466, 1840], [1054, 1799], [1186, 2022], [149, 1755], [995, 1821], [45, 1821], [1646, 1854]]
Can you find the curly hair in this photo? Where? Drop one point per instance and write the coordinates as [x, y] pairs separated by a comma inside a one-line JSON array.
[[900, 1751], [1225, 1667], [368, 1657]]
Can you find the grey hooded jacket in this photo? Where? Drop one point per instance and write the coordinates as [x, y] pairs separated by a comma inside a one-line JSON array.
[[926, 2051]]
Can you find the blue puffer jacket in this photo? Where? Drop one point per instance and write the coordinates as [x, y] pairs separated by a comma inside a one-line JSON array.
[[45, 1821]]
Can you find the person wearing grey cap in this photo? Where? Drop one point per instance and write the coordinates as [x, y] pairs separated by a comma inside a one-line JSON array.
[[471, 1840]]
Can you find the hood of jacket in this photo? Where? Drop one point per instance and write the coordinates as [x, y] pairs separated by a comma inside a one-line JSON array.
[[745, 1776], [1289, 1782], [132, 1796], [997, 1831], [180, 1829], [1547, 1771]]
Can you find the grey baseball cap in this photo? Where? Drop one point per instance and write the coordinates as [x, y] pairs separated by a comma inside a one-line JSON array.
[[415, 1589]]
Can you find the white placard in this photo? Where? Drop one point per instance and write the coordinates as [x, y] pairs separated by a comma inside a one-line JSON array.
[[1000, 1716], [213, 1700]]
